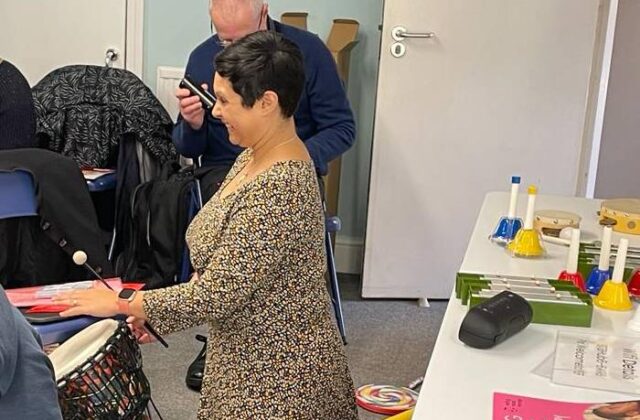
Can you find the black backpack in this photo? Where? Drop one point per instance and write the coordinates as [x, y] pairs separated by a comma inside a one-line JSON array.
[[161, 210]]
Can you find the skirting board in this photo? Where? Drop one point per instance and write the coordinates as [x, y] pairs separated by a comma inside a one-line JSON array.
[[349, 254]]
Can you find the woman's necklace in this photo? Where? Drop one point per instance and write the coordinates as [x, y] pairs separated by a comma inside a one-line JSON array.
[[247, 169]]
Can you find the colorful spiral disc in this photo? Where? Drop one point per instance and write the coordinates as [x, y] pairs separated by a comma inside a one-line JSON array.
[[385, 399]]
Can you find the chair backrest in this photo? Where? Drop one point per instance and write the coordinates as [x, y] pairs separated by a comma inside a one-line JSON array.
[[17, 194]]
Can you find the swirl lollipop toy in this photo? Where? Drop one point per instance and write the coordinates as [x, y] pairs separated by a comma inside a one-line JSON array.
[[386, 399]]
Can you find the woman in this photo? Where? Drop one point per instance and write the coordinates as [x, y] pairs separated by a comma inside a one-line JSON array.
[[257, 249]]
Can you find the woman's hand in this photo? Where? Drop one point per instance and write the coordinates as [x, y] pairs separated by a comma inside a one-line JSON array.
[[101, 303], [137, 328]]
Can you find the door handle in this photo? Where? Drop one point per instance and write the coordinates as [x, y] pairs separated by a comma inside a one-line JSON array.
[[399, 33], [110, 56]]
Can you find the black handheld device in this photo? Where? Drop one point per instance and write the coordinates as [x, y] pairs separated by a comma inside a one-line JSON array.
[[494, 320], [207, 99]]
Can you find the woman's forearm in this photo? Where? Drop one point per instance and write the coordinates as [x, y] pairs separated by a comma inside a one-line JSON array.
[[136, 308]]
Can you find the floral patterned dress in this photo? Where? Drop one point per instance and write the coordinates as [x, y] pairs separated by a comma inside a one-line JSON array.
[[273, 350]]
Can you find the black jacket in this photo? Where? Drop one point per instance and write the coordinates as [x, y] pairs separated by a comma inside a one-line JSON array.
[[98, 116], [17, 116], [31, 255], [84, 111]]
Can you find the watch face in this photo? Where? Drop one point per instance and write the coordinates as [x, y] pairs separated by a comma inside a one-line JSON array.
[[126, 293]]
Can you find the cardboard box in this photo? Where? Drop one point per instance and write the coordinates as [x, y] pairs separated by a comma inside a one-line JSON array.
[[340, 42], [297, 19]]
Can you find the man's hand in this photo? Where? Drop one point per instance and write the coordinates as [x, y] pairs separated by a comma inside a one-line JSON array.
[[191, 107]]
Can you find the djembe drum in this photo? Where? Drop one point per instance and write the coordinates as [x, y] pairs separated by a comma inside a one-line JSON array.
[[99, 374]]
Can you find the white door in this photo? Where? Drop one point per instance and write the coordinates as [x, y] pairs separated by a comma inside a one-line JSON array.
[[38, 36], [499, 90]]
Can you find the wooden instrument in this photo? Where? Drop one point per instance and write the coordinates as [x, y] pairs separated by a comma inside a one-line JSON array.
[[622, 214], [551, 222]]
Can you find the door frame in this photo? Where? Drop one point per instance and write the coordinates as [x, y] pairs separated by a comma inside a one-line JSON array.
[[134, 37], [593, 132]]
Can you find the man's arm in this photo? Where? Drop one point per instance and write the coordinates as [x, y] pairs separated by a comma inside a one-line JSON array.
[[8, 344], [330, 110], [189, 142]]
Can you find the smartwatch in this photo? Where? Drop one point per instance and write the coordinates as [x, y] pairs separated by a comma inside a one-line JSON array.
[[125, 297]]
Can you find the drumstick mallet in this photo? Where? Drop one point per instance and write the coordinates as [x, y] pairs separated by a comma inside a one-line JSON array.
[[614, 294], [601, 273], [80, 258]]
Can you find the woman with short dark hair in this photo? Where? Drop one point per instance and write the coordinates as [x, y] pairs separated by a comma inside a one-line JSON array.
[[258, 253]]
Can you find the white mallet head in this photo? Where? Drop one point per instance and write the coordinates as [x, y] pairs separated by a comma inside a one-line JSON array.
[[79, 257]]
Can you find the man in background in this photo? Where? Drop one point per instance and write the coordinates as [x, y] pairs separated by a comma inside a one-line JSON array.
[[324, 120]]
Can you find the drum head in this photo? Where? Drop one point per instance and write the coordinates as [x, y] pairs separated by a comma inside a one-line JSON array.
[[80, 348]]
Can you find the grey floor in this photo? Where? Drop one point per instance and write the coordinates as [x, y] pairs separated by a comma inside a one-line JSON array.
[[389, 342]]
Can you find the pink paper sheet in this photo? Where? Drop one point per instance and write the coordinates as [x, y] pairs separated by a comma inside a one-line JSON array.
[[517, 407]]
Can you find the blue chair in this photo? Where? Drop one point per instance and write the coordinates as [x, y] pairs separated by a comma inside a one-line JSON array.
[[18, 195], [104, 183], [61, 331], [333, 224], [18, 199]]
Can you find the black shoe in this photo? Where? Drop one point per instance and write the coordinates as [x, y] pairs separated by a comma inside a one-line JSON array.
[[196, 368]]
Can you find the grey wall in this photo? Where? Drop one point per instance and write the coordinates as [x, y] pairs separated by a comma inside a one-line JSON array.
[[173, 28], [619, 167]]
